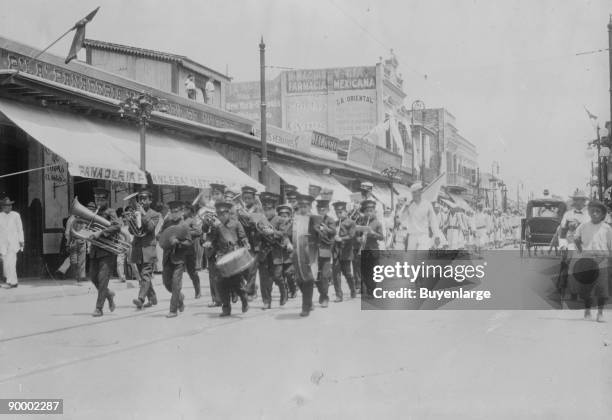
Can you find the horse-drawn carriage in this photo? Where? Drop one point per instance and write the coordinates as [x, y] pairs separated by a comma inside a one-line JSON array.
[[539, 227]]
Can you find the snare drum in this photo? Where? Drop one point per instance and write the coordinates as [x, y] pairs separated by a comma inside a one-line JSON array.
[[235, 262]]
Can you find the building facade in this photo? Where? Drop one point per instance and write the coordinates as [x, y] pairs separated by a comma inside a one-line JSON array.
[[61, 135]]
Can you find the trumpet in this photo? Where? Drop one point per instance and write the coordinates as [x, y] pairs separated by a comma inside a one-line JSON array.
[[208, 215], [94, 224], [354, 214], [134, 222]]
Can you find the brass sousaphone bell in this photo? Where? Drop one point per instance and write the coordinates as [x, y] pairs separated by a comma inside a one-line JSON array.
[[93, 224]]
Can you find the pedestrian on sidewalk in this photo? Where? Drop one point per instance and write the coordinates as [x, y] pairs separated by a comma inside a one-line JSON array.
[[11, 240]]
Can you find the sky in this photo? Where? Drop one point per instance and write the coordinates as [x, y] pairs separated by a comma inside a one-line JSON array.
[[507, 70]]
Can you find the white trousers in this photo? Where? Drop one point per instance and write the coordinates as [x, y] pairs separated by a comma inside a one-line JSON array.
[[9, 264], [418, 242]]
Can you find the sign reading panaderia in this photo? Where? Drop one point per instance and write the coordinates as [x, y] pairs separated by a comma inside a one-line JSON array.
[[59, 74], [110, 174]]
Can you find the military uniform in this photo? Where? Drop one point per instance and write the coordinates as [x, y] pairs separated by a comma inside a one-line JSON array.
[[174, 263], [224, 238], [304, 280], [343, 253], [252, 235], [270, 254], [195, 232], [371, 241], [282, 254], [102, 262], [144, 254], [326, 231], [210, 257]]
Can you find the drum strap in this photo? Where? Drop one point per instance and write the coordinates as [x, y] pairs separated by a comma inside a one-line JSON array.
[[227, 237]]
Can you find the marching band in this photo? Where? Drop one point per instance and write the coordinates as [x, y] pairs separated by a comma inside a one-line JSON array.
[[280, 240]]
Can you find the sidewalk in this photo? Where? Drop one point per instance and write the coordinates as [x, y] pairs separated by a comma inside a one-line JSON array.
[[32, 289]]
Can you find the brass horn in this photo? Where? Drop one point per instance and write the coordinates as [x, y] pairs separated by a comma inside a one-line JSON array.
[[93, 224]]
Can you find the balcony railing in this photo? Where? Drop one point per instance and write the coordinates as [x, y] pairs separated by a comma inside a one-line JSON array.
[[459, 180]]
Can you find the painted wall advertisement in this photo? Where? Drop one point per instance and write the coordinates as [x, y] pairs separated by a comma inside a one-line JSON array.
[[353, 112], [244, 99], [56, 189], [306, 113], [340, 101]]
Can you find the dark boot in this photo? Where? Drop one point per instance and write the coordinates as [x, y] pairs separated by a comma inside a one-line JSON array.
[[307, 291], [284, 297]]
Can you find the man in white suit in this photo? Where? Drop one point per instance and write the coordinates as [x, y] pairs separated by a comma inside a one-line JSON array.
[[11, 240]]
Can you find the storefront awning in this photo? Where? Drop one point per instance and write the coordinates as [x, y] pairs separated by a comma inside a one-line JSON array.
[[460, 202], [302, 178], [89, 151], [111, 151]]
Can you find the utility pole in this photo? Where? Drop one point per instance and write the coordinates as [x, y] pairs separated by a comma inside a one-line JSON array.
[[264, 146], [610, 70], [599, 167]]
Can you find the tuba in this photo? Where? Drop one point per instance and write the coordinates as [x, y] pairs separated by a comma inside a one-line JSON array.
[[94, 224]]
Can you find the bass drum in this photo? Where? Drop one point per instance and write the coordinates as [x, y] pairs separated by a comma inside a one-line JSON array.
[[305, 249]]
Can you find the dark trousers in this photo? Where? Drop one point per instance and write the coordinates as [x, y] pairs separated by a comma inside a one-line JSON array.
[[343, 268], [146, 283], [101, 270], [268, 275], [324, 277], [172, 275], [213, 276], [251, 277], [357, 270], [283, 274], [307, 291], [227, 286], [190, 266]]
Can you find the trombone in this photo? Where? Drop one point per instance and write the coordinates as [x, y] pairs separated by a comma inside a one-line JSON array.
[[94, 224]]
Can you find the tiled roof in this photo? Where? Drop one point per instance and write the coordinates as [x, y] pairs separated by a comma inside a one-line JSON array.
[[143, 52]]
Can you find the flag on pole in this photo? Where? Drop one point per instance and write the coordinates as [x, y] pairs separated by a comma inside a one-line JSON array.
[[591, 116], [79, 36], [378, 134], [396, 137], [431, 191]]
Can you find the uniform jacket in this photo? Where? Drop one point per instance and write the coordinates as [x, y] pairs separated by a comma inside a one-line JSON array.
[[144, 249], [195, 231], [227, 237], [283, 231], [346, 231], [373, 238], [176, 255], [326, 231], [111, 232]]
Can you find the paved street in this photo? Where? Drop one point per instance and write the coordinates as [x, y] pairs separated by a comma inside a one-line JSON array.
[[340, 362]]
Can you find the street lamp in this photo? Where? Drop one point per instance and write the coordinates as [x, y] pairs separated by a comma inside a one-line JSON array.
[[140, 106]]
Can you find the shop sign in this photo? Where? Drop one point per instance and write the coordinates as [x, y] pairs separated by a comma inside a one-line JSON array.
[[85, 83]]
